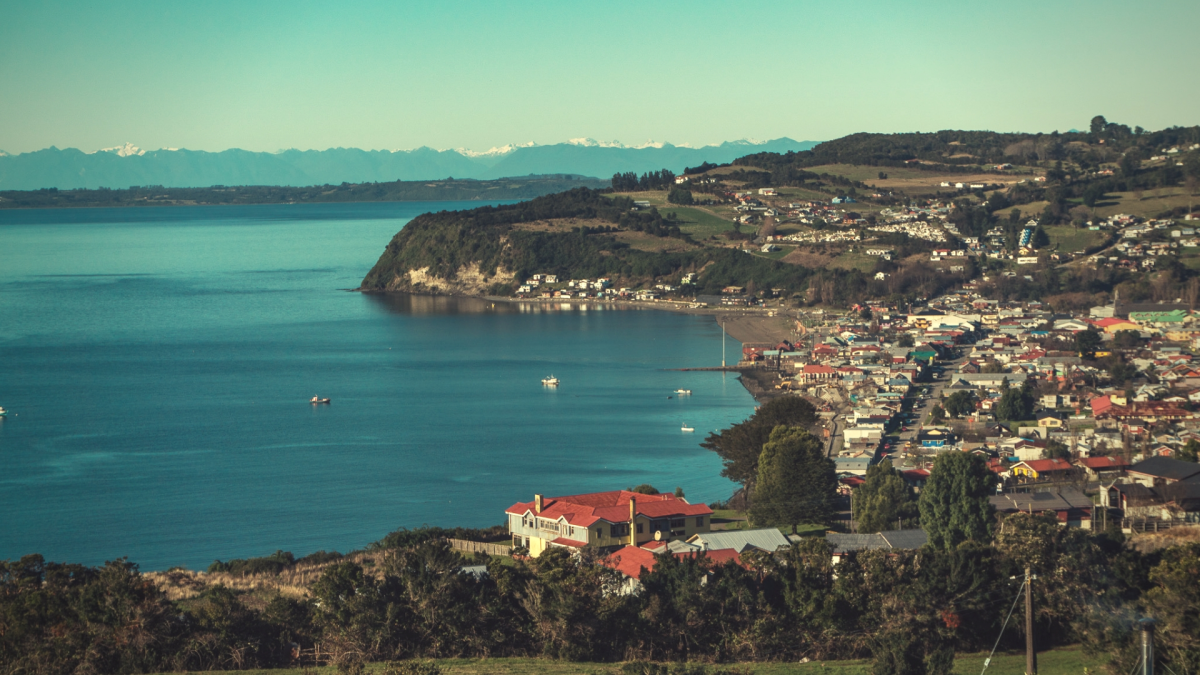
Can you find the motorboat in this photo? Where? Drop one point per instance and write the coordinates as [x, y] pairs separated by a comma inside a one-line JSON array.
[[684, 392], [685, 427], [551, 381], [3, 412], [317, 400]]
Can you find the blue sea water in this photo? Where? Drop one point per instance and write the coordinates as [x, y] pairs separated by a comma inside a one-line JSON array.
[[157, 365]]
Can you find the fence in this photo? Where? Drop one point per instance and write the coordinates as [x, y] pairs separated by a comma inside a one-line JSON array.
[[1147, 525], [479, 547]]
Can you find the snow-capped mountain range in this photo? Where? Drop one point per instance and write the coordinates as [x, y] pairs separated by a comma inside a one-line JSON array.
[[125, 165]]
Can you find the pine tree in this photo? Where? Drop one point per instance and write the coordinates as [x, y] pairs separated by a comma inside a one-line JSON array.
[[882, 500], [796, 483], [954, 502]]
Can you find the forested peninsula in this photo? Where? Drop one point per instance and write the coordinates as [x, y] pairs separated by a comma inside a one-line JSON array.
[[448, 189]]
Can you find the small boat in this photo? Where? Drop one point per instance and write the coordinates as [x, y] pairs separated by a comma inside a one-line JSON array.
[[684, 392], [3, 412], [318, 401], [551, 381], [685, 427]]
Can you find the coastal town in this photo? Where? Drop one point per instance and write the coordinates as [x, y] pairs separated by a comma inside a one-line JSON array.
[[1090, 416], [1091, 419]]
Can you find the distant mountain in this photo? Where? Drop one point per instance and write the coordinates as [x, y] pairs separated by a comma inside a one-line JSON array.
[[128, 165]]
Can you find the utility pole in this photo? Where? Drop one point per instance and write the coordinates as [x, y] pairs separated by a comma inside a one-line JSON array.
[[1147, 646], [1030, 655]]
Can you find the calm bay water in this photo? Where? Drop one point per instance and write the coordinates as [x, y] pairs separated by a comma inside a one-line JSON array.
[[157, 364]]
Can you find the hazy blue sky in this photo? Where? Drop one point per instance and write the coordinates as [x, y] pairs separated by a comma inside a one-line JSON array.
[[265, 75]]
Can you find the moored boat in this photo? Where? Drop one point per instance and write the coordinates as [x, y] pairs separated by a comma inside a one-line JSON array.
[[3, 412], [551, 381], [685, 427], [317, 400], [684, 392]]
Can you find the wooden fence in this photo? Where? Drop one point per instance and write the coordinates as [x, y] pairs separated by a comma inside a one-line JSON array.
[[479, 547], [1148, 525]]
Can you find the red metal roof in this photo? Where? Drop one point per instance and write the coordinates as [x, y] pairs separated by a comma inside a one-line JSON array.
[[611, 506]]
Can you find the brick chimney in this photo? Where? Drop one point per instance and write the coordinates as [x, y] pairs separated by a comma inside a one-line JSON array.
[[633, 521], [537, 504]]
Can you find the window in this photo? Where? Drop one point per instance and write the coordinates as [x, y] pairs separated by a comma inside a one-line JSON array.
[[599, 532], [677, 522], [620, 530], [639, 528], [700, 521]]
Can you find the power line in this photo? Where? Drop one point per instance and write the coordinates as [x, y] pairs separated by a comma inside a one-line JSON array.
[[988, 661]]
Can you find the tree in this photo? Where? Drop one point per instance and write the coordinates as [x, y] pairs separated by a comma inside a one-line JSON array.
[[1098, 125], [1126, 339], [865, 314], [1014, 405], [960, 404], [679, 493], [905, 340], [882, 500], [1040, 238], [1120, 372], [1087, 341], [954, 502], [678, 195], [937, 415], [796, 483], [1056, 450], [740, 445], [1189, 452], [644, 489]]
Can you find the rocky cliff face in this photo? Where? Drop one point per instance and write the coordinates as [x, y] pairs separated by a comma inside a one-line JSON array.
[[466, 280]]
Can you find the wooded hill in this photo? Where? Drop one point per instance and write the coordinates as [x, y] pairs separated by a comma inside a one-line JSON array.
[[487, 251]]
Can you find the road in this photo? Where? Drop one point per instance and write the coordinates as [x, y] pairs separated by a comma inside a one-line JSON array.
[[949, 368]]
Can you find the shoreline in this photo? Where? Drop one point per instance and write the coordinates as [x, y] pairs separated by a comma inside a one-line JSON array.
[[743, 324]]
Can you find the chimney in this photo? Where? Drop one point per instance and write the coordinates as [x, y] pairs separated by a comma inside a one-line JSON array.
[[633, 521], [537, 504]]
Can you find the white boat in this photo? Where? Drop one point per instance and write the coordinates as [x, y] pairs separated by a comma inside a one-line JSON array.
[[684, 392], [317, 400], [551, 381], [3, 412], [685, 427]]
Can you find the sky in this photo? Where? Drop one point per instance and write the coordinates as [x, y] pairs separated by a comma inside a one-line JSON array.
[[268, 75]]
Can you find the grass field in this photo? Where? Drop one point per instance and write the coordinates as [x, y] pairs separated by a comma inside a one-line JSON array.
[[1058, 662], [855, 260], [1072, 239], [697, 222], [1152, 203]]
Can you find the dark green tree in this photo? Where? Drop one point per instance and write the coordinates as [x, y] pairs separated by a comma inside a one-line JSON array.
[[678, 195], [883, 500], [1056, 450], [1127, 339], [740, 445], [1040, 239], [937, 415], [1087, 342], [1014, 405], [954, 502], [1189, 452], [960, 404], [796, 483]]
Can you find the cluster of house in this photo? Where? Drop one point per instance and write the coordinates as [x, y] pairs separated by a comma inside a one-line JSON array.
[[630, 529]]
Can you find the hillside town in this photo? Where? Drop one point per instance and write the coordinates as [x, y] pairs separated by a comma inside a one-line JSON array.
[[1093, 419]]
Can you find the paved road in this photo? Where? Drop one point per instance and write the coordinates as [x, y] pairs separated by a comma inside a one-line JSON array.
[[948, 370]]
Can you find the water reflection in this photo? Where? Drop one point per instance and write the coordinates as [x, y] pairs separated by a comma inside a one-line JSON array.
[[411, 304]]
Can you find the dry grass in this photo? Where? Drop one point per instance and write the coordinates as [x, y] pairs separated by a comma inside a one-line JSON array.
[[1156, 541], [806, 257], [293, 582]]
